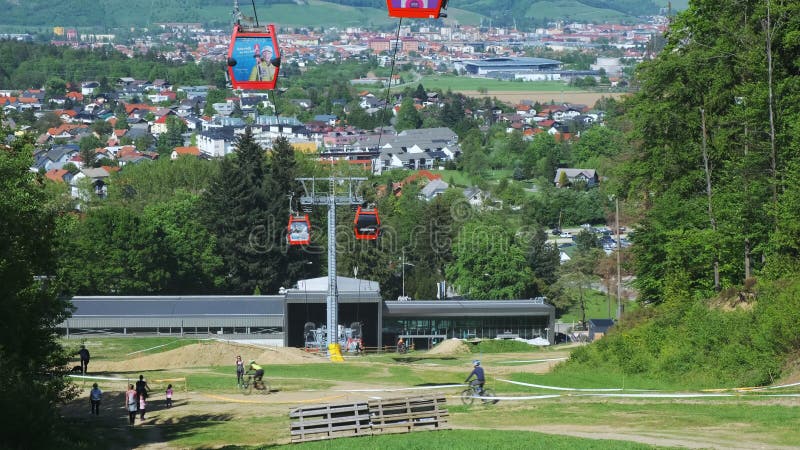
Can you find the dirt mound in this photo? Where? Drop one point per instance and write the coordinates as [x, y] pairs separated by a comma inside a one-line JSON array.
[[450, 347], [210, 354]]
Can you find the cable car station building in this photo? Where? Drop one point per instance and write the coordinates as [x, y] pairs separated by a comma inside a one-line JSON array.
[[280, 319]]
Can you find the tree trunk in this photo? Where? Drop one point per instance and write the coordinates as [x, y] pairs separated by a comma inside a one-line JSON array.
[[708, 193]]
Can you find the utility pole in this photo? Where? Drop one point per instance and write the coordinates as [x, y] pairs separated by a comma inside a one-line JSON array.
[[403, 263], [619, 271], [313, 198]]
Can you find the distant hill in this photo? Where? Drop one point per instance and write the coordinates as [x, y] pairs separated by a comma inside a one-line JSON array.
[[110, 14]]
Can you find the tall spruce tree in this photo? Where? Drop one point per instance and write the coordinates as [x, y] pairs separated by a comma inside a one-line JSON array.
[[237, 213], [291, 263]]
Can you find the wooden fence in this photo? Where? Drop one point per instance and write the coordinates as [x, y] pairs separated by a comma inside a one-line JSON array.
[[397, 415], [408, 414]]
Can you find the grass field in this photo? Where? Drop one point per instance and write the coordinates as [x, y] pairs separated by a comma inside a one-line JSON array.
[[596, 308], [212, 413], [460, 178], [469, 440], [458, 84]]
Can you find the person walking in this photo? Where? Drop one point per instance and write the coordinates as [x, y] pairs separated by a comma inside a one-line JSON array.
[[169, 396], [141, 387], [131, 404], [95, 395], [239, 370], [84, 354], [142, 406]]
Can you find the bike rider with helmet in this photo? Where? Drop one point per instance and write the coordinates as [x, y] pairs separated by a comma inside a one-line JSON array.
[[258, 371], [480, 378]]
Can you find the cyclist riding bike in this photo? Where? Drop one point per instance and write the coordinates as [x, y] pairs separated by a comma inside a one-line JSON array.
[[256, 370], [480, 378]]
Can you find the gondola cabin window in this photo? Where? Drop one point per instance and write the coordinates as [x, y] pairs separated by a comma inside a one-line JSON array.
[[367, 224], [254, 58], [299, 230], [416, 9]]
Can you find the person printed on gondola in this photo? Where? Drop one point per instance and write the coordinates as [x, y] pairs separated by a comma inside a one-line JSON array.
[[299, 232], [263, 70]]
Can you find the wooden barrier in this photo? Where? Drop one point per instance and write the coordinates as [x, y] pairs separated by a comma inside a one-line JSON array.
[[408, 414], [329, 421], [380, 416]]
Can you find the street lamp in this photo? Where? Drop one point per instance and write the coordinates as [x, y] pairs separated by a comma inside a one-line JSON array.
[[403, 263]]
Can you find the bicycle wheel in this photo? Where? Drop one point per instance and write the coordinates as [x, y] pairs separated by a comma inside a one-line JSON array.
[[264, 388], [489, 393], [246, 387], [467, 396]]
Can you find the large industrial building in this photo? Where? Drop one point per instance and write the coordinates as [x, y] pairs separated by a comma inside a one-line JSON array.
[[510, 64], [282, 320], [521, 69]]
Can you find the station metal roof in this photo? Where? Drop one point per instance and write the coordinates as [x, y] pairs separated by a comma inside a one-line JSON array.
[[178, 306], [466, 308]]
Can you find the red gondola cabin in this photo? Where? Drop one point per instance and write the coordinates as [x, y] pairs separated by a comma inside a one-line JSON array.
[[254, 58], [367, 224], [417, 9], [298, 231]]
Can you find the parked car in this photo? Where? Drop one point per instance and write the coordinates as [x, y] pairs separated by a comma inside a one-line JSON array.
[[565, 234], [555, 231]]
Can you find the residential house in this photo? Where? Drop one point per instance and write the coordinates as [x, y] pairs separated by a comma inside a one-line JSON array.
[[433, 189], [59, 175], [475, 196], [55, 157], [97, 176], [417, 149], [88, 88], [159, 126], [216, 143], [588, 176], [185, 151], [330, 119]]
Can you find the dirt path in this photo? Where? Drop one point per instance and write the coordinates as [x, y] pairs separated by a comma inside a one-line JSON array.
[[516, 97], [234, 406]]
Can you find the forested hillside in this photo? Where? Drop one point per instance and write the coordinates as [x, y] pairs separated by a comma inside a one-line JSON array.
[[25, 65], [714, 172], [117, 13]]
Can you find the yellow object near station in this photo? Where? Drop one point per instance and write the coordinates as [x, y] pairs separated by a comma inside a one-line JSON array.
[[336, 353]]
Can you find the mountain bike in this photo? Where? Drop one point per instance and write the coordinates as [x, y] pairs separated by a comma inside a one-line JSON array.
[[248, 384], [474, 391]]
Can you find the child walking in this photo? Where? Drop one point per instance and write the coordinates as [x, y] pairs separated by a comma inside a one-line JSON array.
[[131, 404], [169, 396], [95, 396], [142, 407]]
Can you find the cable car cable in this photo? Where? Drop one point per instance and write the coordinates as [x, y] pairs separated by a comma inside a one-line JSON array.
[[255, 13], [391, 74]]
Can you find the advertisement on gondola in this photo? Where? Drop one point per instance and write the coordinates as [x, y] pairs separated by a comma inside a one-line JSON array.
[[253, 60], [253, 57]]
